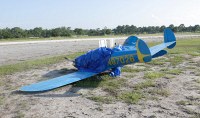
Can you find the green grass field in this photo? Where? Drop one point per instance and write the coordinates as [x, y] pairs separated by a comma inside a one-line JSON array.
[[116, 90], [32, 64], [137, 83], [187, 46]]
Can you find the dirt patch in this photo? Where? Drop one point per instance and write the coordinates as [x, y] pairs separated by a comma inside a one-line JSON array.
[[170, 95]]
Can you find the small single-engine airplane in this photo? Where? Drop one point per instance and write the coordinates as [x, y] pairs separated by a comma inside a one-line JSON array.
[[102, 59]]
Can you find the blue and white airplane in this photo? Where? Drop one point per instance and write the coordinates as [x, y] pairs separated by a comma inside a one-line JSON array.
[[133, 50]]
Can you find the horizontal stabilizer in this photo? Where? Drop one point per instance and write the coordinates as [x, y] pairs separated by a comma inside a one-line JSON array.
[[157, 48], [169, 42], [160, 53]]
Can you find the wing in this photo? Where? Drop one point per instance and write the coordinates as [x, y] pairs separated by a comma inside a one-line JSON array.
[[57, 82]]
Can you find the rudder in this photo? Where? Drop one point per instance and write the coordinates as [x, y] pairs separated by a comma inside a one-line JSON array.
[[169, 37]]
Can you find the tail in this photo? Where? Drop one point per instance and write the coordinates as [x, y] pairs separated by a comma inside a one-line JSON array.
[[169, 42], [169, 37]]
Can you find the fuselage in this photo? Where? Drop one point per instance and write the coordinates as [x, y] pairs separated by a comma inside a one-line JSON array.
[[134, 50]]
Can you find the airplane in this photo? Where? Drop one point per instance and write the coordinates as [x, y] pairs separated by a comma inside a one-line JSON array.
[[103, 59]]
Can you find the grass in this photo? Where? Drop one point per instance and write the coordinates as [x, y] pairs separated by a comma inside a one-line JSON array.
[[108, 84], [183, 47], [193, 98], [184, 103], [198, 64], [162, 92], [174, 71], [171, 71], [175, 56], [190, 67], [131, 69], [129, 75], [32, 64], [19, 115], [197, 115], [1, 100], [153, 75], [113, 85], [194, 53], [175, 59], [159, 61], [131, 97], [101, 99], [191, 111], [187, 46], [169, 76], [2, 82], [91, 82], [146, 84], [197, 80]]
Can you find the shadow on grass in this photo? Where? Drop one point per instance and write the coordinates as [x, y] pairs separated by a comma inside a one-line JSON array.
[[68, 93], [57, 73], [91, 82]]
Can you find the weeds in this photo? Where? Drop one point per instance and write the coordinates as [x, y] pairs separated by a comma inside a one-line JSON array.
[[197, 81], [161, 92], [27, 65], [153, 75], [101, 99], [131, 69], [175, 60], [174, 71], [2, 100], [131, 97], [159, 61], [146, 84]]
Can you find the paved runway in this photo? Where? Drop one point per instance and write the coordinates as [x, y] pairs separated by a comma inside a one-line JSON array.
[[14, 52]]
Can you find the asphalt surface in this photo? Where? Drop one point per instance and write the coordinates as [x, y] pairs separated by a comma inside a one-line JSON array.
[[14, 52]]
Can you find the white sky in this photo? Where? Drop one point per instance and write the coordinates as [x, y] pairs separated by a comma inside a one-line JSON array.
[[97, 13]]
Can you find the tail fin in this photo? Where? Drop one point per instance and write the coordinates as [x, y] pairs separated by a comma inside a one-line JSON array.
[[169, 37], [169, 42]]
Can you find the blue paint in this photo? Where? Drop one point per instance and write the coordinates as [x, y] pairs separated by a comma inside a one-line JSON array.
[[169, 42], [160, 53], [57, 82], [133, 50], [157, 48], [169, 37]]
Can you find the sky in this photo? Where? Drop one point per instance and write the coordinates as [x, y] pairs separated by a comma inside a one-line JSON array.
[[92, 14]]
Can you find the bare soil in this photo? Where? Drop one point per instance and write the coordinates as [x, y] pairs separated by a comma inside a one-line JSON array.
[[182, 101]]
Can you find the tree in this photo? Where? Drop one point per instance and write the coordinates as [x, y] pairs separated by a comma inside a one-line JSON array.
[[162, 28], [37, 32], [171, 26], [6, 33], [79, 31], [181, 28], [108, 31], [17, 32], [196, 28]]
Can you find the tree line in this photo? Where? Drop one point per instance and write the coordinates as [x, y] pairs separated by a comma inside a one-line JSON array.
[[18, 32]]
